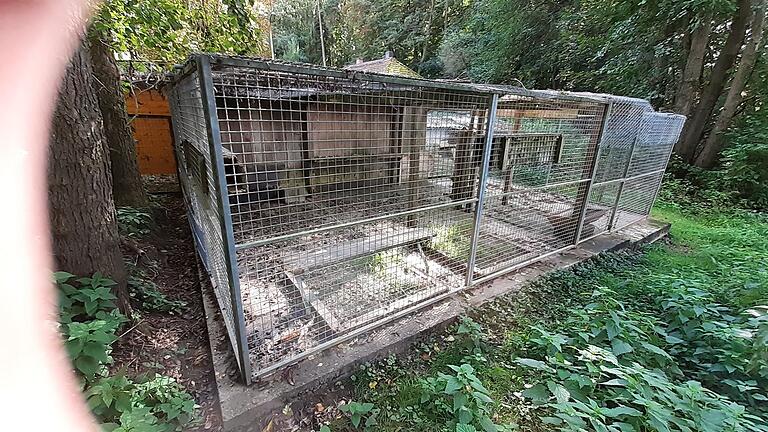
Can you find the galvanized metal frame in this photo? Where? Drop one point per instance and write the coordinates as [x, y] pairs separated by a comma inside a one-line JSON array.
[[626, 178], [623, 181], [484, 168], [228, 239], [585, 203], [203, 65]]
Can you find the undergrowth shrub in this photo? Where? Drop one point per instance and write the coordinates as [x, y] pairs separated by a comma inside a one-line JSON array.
[[151, 298], [132, 222], [619, 370], [89, 323]]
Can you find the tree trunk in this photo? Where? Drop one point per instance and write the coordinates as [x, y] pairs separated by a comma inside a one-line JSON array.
[[711, 93], [708, 155], [127, 188], [82, 213], [689, 82]]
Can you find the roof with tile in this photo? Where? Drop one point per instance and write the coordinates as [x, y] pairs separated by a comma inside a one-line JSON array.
[[388, 65]]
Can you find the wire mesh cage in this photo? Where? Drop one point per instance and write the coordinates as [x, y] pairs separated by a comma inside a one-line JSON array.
[[542, 158], [325, 203]]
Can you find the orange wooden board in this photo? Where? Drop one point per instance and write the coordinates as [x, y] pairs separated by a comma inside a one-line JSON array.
[[154, 148], [147, 103]]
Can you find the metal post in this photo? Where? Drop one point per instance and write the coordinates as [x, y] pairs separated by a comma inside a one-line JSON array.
[[623, 181], [482, 186], [225, 216], [595, 160]]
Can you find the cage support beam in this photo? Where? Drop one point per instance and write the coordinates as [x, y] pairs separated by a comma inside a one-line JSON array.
[[225, 215], [590, 184], [482, 186]]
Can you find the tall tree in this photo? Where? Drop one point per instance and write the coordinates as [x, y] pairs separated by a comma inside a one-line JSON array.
[[697, 42], [717, 79], [714, 143], [81, 209], [127, 187]]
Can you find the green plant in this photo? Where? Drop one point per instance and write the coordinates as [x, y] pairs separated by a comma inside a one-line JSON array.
[[719, 348], [84, 298], [89, 344], [472, 340], [89, 321], [89, 324], [133, 222], [358, 412], [625, 370], [452, 240], [151, 298], [463, 396]]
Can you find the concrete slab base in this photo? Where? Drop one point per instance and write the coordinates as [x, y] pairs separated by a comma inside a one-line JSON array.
[[250, 408]]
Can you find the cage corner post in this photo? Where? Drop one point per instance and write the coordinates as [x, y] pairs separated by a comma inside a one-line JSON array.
[[595, 160], [481, 187], [225, 216], [620, 192]]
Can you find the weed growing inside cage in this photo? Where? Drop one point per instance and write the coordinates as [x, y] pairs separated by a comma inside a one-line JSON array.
[[380, 261], [453, 240]]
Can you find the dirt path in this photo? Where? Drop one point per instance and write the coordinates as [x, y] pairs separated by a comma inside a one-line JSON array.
[[172, 344]]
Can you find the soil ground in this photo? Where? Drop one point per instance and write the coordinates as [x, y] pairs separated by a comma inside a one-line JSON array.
[[172, 344]]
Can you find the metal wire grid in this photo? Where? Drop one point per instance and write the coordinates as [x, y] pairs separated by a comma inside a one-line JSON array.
[[198, 178], [540, 168], [621, 130], [350, 200], [636, 200], [656, 137], [653, 146], [623, 124], [353, 199]]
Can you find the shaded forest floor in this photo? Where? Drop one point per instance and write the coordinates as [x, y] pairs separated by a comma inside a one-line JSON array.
[[170, 335]]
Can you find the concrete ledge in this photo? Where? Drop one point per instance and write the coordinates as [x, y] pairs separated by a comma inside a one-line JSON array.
[[251, 408]]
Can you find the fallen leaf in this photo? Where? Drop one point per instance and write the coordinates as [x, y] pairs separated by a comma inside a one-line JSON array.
[[270, 427]]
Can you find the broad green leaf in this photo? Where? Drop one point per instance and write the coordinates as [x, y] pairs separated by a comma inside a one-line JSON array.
[[673, 340], [619, 347], [452, 385], [459, 401], [536, 364], [537, 393], [88, 366], [656, 350], [616, 382], [558, 391], [482, 397], [487, 424], [621, 411], [465, 428]]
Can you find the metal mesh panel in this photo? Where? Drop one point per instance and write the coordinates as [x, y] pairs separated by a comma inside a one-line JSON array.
[[600, 210], [349, 200], [637, 197], [541, 163], [621, 129], [656, 137], [198, 180]]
